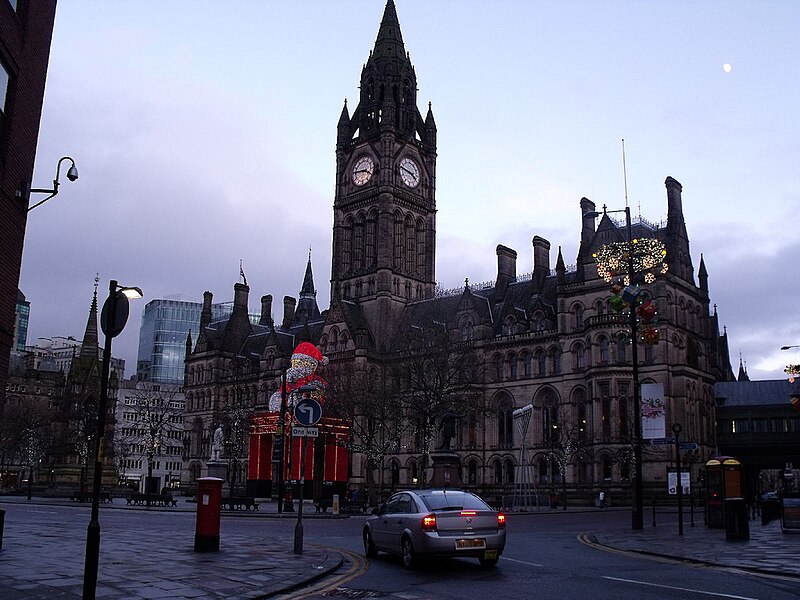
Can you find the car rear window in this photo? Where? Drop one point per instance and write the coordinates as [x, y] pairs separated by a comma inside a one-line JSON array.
[[453, 501]]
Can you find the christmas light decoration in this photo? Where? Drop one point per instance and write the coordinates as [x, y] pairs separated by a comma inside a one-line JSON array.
[[648, 258]]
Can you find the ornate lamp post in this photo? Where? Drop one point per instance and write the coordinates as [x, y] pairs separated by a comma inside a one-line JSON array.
[[112, 321], [632, 257]]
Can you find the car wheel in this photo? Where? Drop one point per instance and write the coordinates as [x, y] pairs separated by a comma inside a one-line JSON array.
[[369, 547], [488, 562], [409, 559]]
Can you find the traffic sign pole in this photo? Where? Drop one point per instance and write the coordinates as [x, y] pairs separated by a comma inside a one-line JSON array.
[[676, 428]]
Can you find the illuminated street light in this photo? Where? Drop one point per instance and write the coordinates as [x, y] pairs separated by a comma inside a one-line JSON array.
[[112, 321], [649, 261]]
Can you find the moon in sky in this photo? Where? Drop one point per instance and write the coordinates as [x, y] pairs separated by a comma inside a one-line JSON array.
[[727, 68]]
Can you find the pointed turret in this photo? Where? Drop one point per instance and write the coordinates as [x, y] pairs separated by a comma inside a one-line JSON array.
[[188, 343], [561, 268], [702, 275], [430, 127], [343, 127], [742, 376], [307, 308], [90, 348]]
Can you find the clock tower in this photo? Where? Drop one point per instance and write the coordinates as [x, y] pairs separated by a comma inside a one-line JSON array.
[[384, 222]]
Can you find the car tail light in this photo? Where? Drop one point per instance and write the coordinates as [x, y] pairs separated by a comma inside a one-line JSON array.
[[468, 513], [429, 523], [501, 521]]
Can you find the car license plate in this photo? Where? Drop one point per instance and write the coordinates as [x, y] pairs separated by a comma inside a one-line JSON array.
[[490, 554], [470, 544]]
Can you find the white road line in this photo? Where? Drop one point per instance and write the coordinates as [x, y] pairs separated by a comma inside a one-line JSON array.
[[680, 589], [521, 561]]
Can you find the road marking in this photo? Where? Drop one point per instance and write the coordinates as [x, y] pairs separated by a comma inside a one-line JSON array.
[[680, 589], [358, 567], [521, 561]]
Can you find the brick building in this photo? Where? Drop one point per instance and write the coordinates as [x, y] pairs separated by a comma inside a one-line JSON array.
[[26, 28]]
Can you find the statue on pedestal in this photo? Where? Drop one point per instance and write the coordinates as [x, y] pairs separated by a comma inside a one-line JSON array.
[[216, 444]]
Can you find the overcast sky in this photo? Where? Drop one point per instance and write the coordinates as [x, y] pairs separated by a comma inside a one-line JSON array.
[[204, 133]]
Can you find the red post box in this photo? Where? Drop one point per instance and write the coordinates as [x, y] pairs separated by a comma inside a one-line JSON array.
[[209, 497]]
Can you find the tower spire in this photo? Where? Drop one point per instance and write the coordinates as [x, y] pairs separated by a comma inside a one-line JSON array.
[[90, 348], [389, 43]]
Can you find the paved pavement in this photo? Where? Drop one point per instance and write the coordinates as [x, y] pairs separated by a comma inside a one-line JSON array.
[[768, 551], [48, 563]]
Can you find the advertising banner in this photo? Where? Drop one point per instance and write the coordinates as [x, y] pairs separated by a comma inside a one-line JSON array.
[[654, 411]]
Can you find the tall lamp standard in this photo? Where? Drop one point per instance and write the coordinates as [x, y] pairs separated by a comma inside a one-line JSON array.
[[629, 257], [112, 321]]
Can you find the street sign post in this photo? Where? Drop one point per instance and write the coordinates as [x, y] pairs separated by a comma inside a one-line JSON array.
[[662, 441], [308, 412], [311, 432]]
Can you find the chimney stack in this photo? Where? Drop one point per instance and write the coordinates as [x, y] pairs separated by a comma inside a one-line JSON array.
[[205, 314], [541, 259], [506, 270], [289, 304], [266, 310]]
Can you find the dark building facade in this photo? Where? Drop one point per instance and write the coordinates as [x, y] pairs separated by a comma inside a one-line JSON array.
[[757, 424], [549, 339], [26, 29]]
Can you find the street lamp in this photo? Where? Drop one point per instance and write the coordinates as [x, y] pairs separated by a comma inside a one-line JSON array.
[[648, 262], [72, 175], [112, 320]]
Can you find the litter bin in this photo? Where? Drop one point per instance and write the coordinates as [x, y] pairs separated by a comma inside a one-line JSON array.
[[770, 509], [553, 500], [737, 525]]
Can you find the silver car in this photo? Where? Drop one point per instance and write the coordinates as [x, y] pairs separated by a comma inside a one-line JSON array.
[[441, 523]]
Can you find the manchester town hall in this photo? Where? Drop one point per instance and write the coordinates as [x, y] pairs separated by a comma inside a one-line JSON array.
[[528, 380]]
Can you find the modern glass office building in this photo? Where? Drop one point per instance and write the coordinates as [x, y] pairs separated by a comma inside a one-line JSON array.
[[162, 336]]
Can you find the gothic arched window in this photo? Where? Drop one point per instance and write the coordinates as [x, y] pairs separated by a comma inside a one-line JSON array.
[[411, 249], [358, 243], [347, 245], [398, 240], [603, 343], [370, 250], [420, 235], [505, 421], [527, 365]]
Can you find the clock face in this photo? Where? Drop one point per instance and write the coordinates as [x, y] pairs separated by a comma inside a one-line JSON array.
[[362, 171], [409, 172]]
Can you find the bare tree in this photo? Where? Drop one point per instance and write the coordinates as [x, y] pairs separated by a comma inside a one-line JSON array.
[[565, 441], [438, 382], [28, 427], [236, 407], [366, 400]]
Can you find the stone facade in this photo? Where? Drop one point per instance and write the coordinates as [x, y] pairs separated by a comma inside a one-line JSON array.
[[548, 339]]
